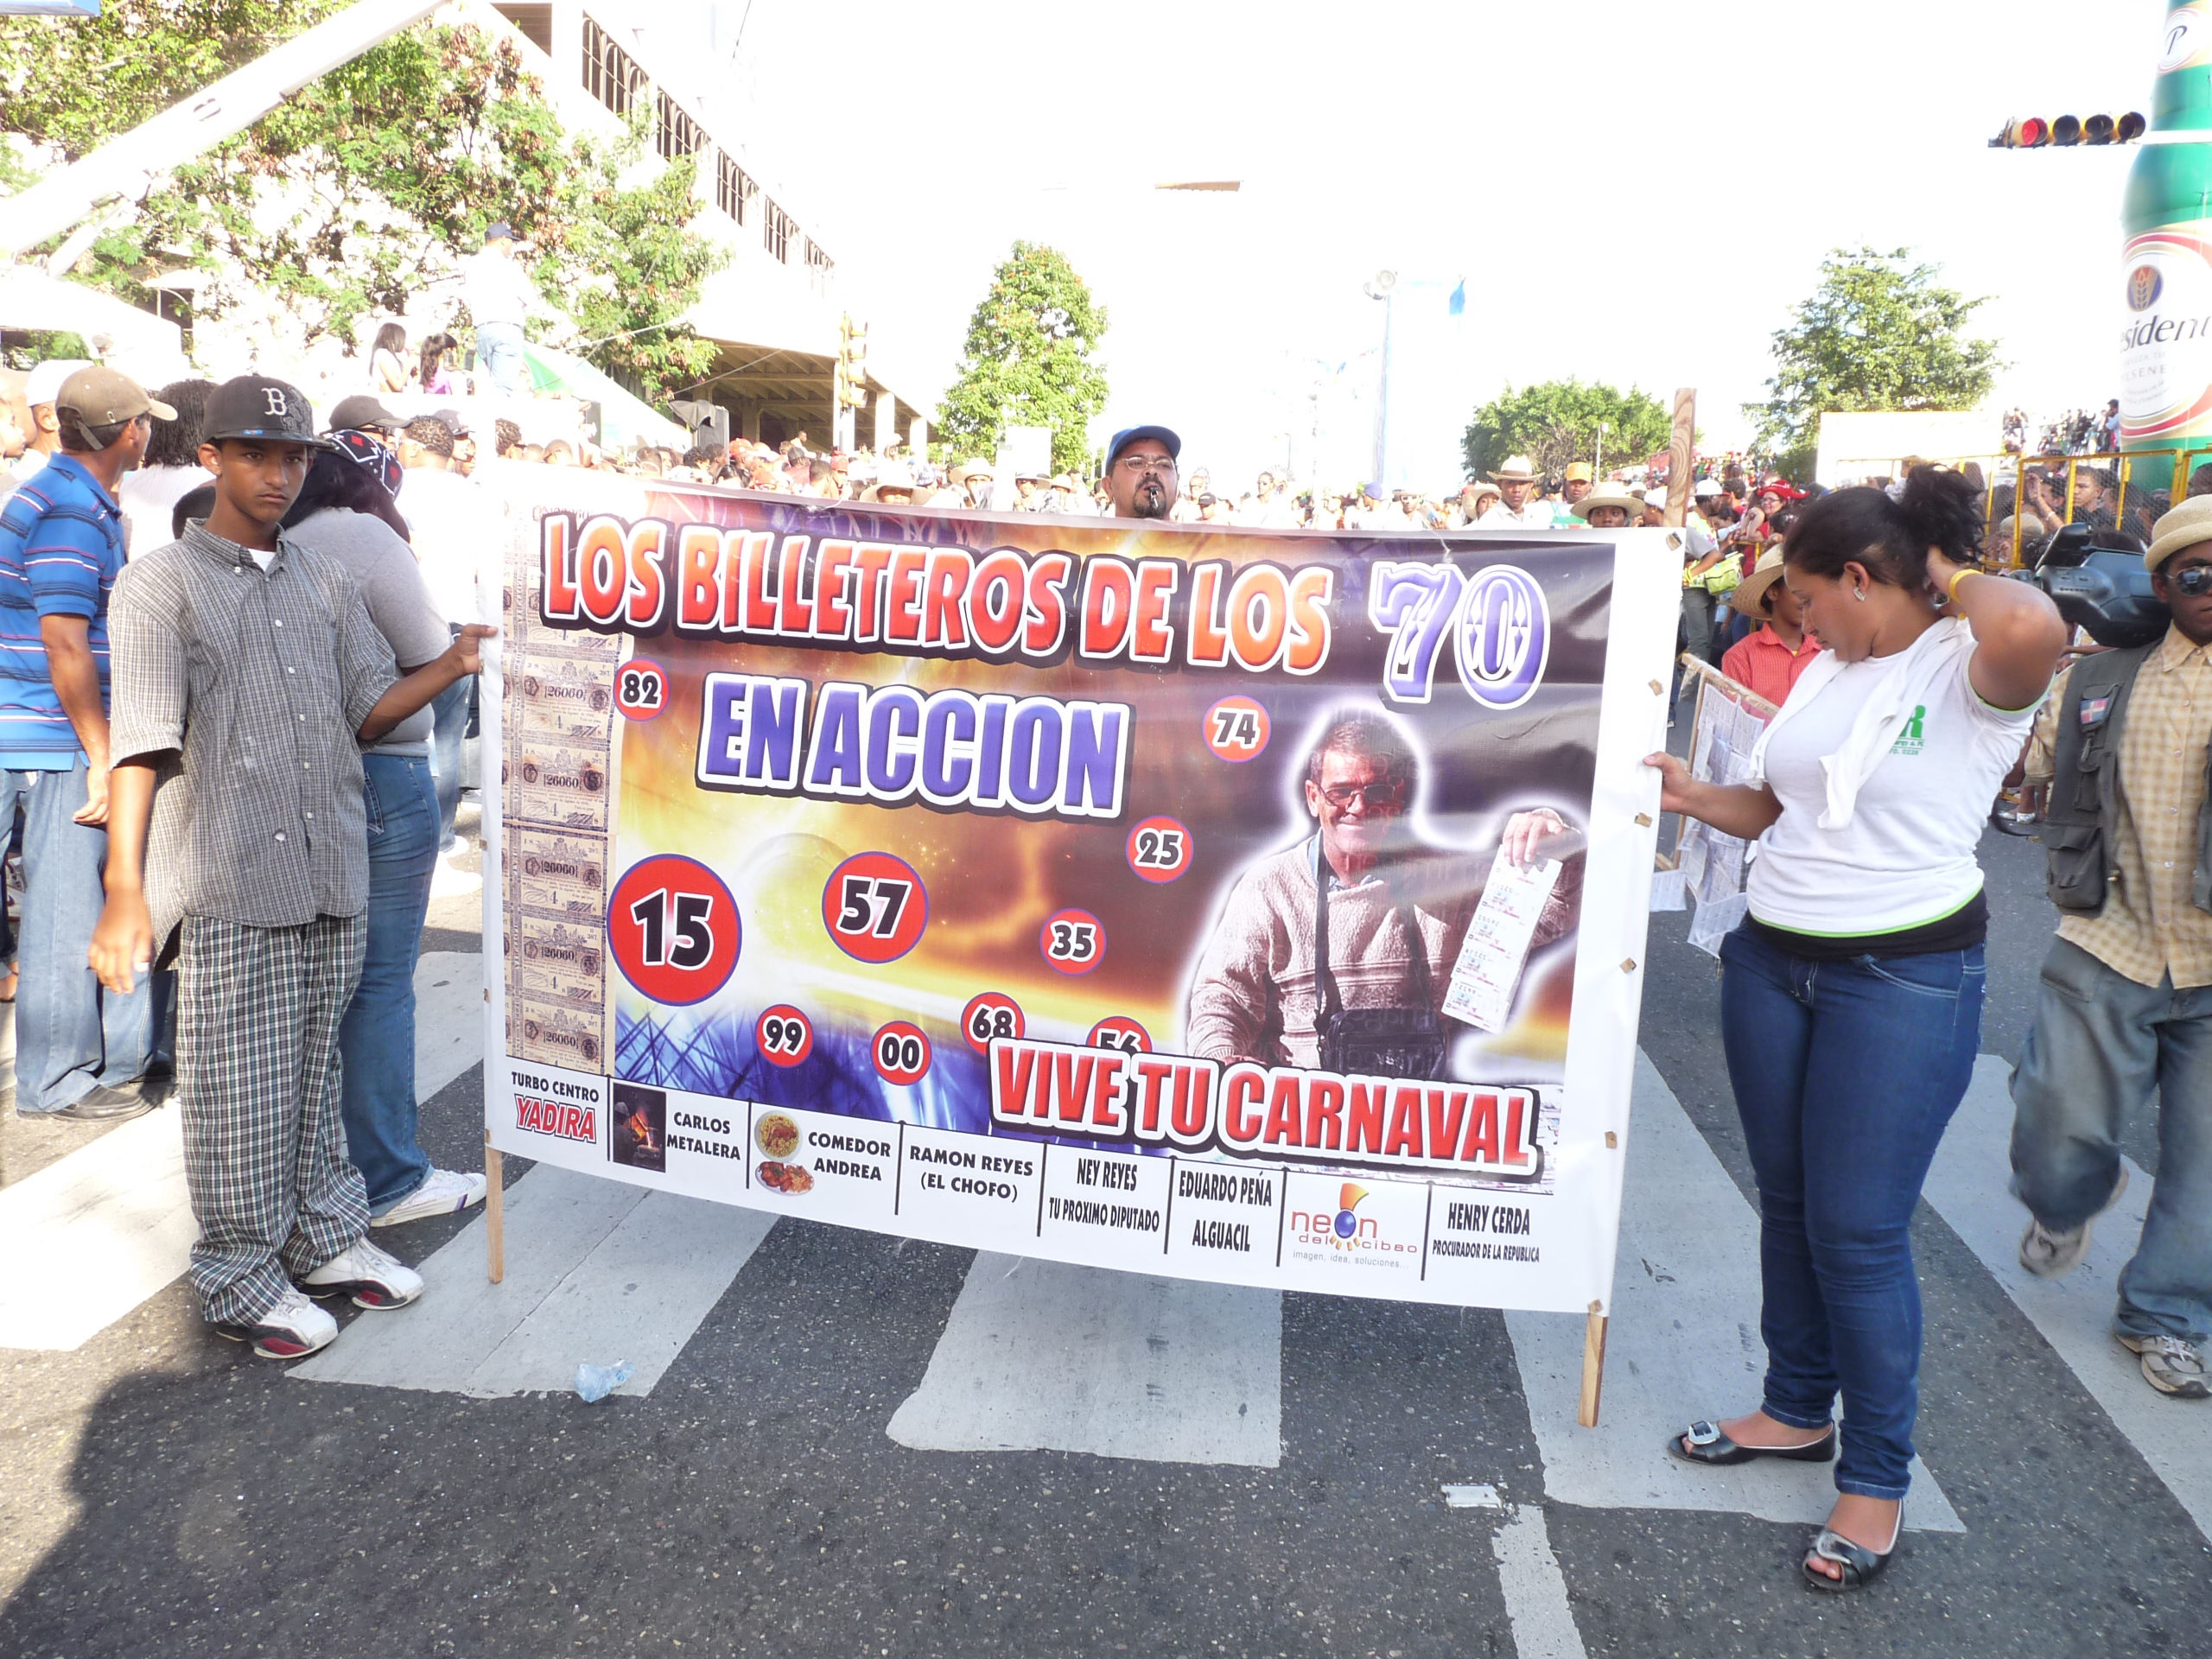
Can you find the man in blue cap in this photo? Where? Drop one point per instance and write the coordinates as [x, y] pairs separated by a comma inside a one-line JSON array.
[[1140, 472]]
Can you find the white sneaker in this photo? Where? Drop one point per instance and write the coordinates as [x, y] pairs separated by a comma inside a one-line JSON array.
[[442, 1193], [294, 1328], [2171, 1365], [2050, 1255], [373, 1278]]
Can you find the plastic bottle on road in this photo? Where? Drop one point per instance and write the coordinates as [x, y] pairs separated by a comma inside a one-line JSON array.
[[595, 1382]]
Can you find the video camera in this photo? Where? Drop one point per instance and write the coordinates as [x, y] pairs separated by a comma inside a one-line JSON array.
[[2097, 579]]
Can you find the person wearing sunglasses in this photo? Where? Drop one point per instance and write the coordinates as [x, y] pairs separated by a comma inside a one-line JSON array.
[[2124, 1012], [1336, 952], [1141, 473]]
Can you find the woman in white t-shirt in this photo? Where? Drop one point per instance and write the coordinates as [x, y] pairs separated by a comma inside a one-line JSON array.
[[1851, 996]]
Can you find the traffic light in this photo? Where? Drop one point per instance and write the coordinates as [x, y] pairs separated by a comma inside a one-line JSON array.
[[851, 378], [2034, 132]]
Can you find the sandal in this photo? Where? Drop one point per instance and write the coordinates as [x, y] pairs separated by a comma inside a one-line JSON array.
[[1707, 1445], [1860, 1565]]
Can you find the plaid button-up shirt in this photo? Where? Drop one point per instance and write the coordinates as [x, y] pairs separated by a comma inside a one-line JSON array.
[[2149, 928], [252, 686]]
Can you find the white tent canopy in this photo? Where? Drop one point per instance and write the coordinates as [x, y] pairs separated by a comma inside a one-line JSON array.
[[140, 344]]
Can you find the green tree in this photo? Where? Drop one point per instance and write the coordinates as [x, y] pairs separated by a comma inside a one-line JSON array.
[[1028, 359], [72, 85], [370, 185], [1556, 422], [1880, 332]]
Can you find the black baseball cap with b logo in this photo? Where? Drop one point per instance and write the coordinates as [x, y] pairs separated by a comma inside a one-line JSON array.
[[255, 406]]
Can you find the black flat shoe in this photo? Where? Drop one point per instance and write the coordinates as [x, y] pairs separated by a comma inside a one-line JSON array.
[[1707, 1445], [1860, 1565]]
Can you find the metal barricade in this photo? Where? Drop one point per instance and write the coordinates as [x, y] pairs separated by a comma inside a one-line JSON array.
[[2158, 471]]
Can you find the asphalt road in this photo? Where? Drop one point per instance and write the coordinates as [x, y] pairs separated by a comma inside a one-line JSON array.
[[166, 1493]]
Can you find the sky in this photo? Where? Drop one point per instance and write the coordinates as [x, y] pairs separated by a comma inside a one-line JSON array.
[[1632, 193]]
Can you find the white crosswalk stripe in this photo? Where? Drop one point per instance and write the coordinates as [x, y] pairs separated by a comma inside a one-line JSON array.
[[597, 1271], [110, 1225], [1041, 1354], [1534, 1588], [1968, 1186]]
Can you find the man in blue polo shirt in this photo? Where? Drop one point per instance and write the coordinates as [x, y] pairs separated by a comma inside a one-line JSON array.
[[79, 1049]]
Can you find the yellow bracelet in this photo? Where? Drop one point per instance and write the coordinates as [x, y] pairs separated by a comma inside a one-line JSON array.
[[1959, 576]]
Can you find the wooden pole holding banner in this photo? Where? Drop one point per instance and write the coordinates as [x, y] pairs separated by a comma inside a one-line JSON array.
[[495, 1213], [1594, 1368], [1681, 460]]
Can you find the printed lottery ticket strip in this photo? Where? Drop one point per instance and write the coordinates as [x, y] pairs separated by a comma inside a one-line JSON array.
[[561, 773], [1723, 736]]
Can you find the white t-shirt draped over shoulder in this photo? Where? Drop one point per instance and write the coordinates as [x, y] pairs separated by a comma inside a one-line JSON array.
[[1907, 856]]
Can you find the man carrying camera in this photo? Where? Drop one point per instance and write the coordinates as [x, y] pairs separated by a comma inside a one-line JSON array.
[[2124, 1009]]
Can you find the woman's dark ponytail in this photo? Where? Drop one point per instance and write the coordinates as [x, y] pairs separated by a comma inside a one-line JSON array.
[[1938, 509]]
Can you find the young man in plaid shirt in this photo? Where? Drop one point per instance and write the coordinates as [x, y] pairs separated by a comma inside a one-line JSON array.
[[246, 675]]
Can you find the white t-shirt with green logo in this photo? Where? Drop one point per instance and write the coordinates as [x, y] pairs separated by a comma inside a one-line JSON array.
[[1907, 856]]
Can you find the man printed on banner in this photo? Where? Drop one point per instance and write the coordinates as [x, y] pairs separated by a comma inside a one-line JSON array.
[[1336, 952]]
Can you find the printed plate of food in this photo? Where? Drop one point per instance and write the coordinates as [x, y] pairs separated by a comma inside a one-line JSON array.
[[786, 1178], [776, 1135]]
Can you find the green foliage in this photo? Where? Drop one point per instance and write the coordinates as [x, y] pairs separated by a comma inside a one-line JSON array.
[[1878, 333], [1556, 422], [1028, 360], [370, 185], [621, 262], [75, 84]]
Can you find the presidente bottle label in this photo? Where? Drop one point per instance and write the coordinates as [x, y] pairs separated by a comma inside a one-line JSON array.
[[2165, 373], [2187, 41]]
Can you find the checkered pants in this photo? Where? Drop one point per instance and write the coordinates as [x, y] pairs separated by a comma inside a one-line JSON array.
[[257, 1079]]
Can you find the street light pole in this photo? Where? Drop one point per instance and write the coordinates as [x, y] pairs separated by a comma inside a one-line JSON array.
[[1382, 289]]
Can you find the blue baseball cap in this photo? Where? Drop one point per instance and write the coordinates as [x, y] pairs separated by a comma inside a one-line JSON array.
[[1129, 435]]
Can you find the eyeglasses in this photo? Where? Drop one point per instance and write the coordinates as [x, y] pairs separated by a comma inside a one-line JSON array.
[[2195, 581], [1341, 795], [1134, 464]]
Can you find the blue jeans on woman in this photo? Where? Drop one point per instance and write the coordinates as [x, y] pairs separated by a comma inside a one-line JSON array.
[[1845, 1074], [376, 1039]]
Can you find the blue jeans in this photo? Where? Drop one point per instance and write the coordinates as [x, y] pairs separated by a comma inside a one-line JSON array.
[[499, 353], [376, 1039], [70, 1033], [449, 724], [2103, 1047], [1846, 1073]]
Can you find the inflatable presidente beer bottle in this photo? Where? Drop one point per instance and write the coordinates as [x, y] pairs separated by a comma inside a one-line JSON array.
[[2165, 379]]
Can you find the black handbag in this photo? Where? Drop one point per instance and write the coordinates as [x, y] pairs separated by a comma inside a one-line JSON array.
[[1404, 1042]]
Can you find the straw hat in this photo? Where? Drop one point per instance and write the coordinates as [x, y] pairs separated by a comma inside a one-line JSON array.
[[894, 475], [1744, 601], [2185, 526], [1518, 469], [1609, 494], [974, 466]]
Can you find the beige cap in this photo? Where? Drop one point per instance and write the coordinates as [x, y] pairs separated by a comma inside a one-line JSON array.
[[101, 397]]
